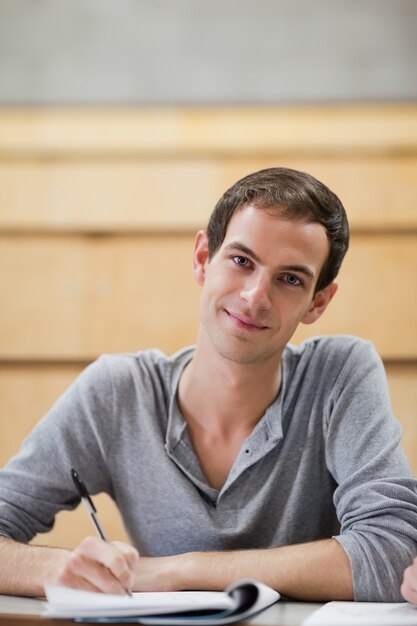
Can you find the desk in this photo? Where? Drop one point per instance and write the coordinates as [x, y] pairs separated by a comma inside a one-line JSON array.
[[15, 611]]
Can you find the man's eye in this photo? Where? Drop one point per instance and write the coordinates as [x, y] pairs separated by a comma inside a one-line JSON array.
[[292, 280], [241, 260]]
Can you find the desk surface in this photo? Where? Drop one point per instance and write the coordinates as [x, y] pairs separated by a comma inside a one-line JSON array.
[[16, 611]]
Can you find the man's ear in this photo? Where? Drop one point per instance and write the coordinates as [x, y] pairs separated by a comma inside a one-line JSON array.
[[319, 303], [200, 258]]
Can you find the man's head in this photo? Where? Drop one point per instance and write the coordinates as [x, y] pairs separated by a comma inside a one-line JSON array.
[[293, 195]]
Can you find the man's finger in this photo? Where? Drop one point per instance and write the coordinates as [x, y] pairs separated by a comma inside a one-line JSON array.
[[131, 556]]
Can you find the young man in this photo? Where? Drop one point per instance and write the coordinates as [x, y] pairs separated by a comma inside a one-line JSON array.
[[244, 456]]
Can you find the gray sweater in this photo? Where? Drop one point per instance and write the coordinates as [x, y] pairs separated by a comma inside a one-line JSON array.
[[325, 460]]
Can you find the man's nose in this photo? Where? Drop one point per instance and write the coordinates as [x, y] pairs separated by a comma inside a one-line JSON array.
[[256, 292]]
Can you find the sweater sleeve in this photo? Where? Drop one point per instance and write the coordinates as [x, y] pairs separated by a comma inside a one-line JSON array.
[[376, 496], [36, 483]]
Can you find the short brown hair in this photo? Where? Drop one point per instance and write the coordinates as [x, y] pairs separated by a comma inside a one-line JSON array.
[[296, 195]]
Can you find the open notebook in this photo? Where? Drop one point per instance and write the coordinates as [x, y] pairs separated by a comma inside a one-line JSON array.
[[240, 601]]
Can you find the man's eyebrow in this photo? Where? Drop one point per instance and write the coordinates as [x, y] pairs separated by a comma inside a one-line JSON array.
[[302, 269], [240, 247]]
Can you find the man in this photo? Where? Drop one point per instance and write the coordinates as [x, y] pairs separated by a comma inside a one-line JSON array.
[[244, 456]]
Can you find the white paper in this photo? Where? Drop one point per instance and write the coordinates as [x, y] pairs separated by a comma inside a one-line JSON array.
[[265, 597], [67, 602], [239, 601], [364, 614], [16, 605]]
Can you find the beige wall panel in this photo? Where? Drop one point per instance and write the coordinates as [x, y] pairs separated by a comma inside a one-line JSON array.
[[73, 297], [27, 392], [108, 196], [200, 130], [43, 297], [77, 297], [402, 380], [377, 296], [145, 295], [379, 193]]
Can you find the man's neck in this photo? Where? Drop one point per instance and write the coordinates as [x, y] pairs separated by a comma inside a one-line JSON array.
[[222, 401], [224, 395]]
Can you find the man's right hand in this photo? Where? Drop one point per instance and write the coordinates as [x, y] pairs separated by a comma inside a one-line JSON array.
[[99, 566]]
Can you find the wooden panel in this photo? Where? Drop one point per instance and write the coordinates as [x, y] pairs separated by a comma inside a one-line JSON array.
[[217, 130], [27, 392], [44, 291], [378, 193], [402, 380], [145, 295], [78, 297], [73, 298], [110, 196]]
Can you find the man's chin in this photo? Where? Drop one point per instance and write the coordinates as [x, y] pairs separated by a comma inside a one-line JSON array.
[[244, 355]]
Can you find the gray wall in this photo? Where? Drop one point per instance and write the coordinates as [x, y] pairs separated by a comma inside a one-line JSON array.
[[218, 51]]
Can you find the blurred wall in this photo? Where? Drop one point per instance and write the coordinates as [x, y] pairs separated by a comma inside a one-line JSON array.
[[195, 52]]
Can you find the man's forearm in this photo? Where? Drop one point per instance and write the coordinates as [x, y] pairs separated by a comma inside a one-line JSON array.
[[25, 569], [313, 571], [316, 571]]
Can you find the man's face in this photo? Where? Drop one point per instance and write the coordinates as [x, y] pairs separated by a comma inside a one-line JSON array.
[[260, 284]]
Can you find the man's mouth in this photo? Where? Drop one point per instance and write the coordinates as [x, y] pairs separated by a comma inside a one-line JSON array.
[[245, 322]]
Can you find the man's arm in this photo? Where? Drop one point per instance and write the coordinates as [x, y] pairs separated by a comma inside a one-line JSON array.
[[316, 571], [94, 565], [313, 571], [25, 568]]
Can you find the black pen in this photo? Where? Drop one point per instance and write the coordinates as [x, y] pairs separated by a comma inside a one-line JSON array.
[[91, 509], [88, 503]]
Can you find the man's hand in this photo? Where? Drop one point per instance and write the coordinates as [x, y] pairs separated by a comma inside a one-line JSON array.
[[99, 566], [409, 586]]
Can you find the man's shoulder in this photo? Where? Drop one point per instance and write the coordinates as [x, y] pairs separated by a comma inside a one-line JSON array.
[[152, 361], [331, 362], [332, 347]]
